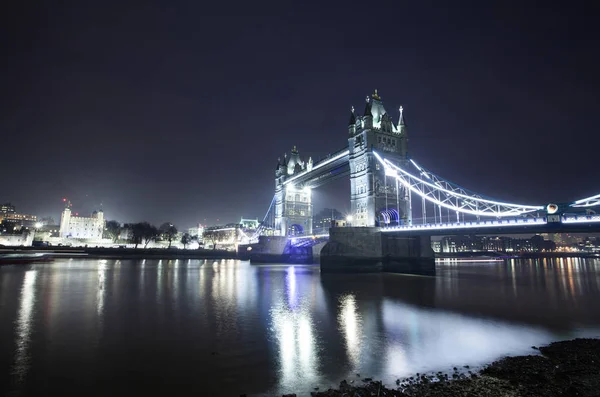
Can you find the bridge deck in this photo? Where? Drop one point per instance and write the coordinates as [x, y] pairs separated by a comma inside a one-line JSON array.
[[324, 171], [567, 224]]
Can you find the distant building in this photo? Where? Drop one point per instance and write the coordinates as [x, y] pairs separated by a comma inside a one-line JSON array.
[[222, 237], [459, 243], [325, 219], [44, 232], [13, 220], [74, 226], [7, 208], [197, 231], [251, 224]]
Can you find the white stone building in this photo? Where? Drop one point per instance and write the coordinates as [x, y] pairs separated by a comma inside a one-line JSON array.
[[73, 226]]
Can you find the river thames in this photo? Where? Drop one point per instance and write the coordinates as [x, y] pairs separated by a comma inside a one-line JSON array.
[[226, 327]]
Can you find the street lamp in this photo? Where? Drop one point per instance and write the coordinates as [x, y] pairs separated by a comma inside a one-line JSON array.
[[349, 220]]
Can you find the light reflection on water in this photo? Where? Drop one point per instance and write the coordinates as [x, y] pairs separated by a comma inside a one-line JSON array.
[[24, 325], [233, 328], [350, 322]]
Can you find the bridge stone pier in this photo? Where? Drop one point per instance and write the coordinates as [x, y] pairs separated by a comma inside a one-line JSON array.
[[367, 250]]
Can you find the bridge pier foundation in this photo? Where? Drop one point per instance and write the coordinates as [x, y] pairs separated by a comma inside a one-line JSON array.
[[368, 250], [275, 249]]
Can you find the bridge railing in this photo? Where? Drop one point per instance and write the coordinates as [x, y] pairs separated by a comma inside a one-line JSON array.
[[470, 224], [494, 223], [580, 218]]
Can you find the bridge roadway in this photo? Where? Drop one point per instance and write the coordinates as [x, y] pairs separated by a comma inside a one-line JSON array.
[[567, 224], [324, 171]]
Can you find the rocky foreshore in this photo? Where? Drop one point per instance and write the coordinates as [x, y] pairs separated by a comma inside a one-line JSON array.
[[570, 368]]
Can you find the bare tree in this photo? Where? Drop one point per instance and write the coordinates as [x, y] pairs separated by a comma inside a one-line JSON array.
[[168, 231], [186, 239], [113, 230]]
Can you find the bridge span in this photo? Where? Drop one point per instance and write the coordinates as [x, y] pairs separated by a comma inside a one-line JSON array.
[[396, 204]]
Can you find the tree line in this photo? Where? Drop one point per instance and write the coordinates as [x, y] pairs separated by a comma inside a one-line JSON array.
[[144, 233]]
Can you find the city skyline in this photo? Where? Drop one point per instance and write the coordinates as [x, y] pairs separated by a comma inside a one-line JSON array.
[[135, 110]]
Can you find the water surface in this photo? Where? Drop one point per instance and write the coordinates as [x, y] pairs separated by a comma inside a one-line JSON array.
[[120, 327]]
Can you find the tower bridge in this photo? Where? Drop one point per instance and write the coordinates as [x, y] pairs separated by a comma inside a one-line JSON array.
[[393, 197]]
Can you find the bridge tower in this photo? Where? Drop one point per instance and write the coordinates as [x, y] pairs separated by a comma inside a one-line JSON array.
[[293, 203], [375, 199]]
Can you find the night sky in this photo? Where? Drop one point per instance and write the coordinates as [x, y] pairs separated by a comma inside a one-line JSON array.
[[172, 111]]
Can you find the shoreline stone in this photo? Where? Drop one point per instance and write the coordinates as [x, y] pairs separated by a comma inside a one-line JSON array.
[[568, 368]]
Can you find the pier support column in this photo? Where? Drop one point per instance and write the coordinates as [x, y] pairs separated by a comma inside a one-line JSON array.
[[368, 250]]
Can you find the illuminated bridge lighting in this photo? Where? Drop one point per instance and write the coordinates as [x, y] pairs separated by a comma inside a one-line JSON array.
[[587, 202], [581, 219], [448, 195], [469, 225], [319, 165]]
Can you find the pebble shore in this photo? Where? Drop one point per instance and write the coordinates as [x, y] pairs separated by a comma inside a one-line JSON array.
[[569, 368]]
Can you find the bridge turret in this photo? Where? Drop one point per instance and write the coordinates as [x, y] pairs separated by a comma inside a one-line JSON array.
[[372, 197], [401, 129], [367, 119], [352, 122], [281, 168], [295, 163]]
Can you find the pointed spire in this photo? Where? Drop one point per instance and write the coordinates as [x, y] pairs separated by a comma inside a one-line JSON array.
[[368, 108], [401, 119], [294, 150], [352, 117], [375, 95], [401, 128]]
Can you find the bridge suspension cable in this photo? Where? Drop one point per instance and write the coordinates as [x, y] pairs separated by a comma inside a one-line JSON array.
[[587, 202], [267, 222], [451, 196]]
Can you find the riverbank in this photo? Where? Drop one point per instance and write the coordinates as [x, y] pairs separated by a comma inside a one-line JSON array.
[[124, 253], [569, 368], [506, 255]]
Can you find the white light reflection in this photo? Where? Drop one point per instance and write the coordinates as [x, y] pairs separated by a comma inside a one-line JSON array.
[[24, 324], [175, 285], [100, 290], [159, 282], [428, 340], [294, 330], [290, 283], [350, 323]]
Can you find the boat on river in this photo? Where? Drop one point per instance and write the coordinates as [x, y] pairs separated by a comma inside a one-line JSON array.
[[18, 258]]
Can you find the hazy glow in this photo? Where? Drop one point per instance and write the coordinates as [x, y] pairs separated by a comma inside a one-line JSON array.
[[24, 324]]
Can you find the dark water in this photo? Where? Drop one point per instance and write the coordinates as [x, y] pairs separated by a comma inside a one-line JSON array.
[[105, 327]]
